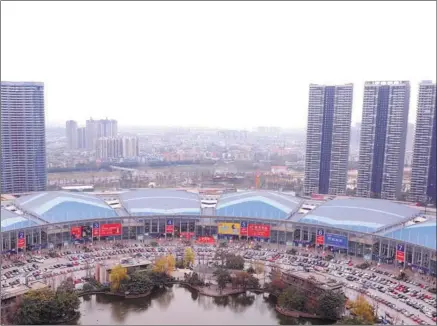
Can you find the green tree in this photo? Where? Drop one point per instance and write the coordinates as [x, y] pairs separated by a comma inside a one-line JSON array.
[[222, 277], [46, 306], [292, 299], [139, 283], [331, 304]]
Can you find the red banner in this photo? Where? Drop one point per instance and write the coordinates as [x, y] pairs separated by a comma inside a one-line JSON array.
[[209, 240], [320, 237], [259, 230], [243, 228], [317, 196], [169, 228], [187, 235], [110, 229], [400, 253], [76, 232], [21, 243], [96, 232]]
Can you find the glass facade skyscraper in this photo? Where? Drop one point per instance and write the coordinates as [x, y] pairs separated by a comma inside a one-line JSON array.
[[423, 171], [383, 137], [328, 137], [23, 148]]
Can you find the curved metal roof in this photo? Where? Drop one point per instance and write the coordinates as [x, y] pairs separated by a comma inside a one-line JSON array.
[[160, 202], [58, 206], [423, 234], [12, 221], [359, 214], [266, 204]]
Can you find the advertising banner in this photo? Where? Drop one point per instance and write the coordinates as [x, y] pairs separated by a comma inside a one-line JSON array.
[[400, 252], [229, 228], [76, 232], [187, 235], [317, 196], [169, 227], [320, 237], [110, 229], [336, 240], [96, 229], [259, 230], [243, 228], [21, 243], [87, 232], [209, 240]]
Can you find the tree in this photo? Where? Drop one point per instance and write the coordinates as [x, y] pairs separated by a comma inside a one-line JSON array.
[[222, 277], [67, 285], [277, 286], [45, 306], [331, 304], [171, 261], [188, 257], [234, 262], [292, 299], [139, 283], [350, 320], [118, 274], [363, 310], [251, 270]]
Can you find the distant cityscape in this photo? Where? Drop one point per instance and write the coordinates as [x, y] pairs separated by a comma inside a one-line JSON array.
[[383, 156]]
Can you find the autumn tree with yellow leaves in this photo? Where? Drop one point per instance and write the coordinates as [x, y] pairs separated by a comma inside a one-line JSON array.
[[164, 264], [189, 257], [117, 275], [363, 310]]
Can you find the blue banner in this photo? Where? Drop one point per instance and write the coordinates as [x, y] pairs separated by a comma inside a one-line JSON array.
[[336, 240]]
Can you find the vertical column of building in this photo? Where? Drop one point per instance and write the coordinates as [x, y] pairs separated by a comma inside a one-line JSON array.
[[314, 139], [341, 131], [328, 137], [423, 172], [23, 147], [383, 138]]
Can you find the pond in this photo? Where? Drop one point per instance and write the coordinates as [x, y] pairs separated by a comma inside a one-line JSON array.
[[180, 306]]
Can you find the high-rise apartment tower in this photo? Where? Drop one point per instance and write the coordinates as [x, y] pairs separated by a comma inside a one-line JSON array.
[[423, 171], [23, 147], [383, 137], [328, 137]]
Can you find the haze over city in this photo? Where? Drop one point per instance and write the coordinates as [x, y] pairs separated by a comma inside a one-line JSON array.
[[211, 64]]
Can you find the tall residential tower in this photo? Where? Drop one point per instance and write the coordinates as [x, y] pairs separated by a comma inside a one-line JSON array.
[[71, 133], [23, 144], [423, 172], [383, 137], [328, 136]]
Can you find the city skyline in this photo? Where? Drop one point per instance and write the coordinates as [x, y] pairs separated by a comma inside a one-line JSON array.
[[180, 76]]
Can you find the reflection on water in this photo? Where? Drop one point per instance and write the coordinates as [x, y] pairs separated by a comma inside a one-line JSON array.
[[181, 306]]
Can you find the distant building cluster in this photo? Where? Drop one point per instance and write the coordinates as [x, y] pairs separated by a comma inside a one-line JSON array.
[[86, 137], [125, 147], [383, 135]]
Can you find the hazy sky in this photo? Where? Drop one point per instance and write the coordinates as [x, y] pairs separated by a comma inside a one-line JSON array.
[[225, 64]]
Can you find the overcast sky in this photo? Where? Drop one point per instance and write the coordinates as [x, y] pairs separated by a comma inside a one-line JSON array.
[[214, 64]]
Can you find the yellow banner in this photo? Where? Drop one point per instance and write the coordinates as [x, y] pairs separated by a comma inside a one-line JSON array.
[[229, 228]]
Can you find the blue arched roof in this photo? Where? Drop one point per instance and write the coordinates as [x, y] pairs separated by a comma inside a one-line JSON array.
[[257, 204], [59, 206], [11, 221], [423, 234], [161, 202], [359, 214]]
